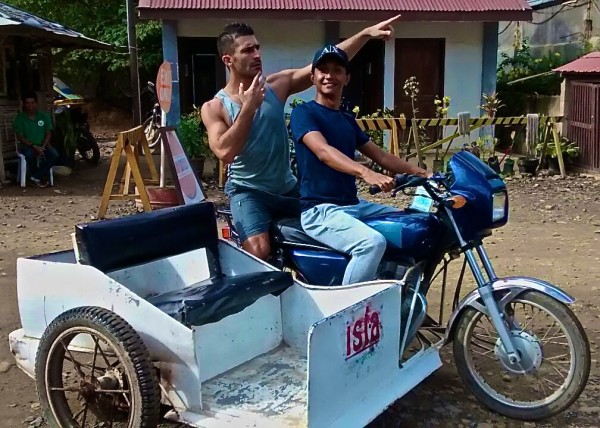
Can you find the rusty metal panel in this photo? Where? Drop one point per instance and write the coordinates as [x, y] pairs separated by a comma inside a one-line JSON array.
[[583, 122]]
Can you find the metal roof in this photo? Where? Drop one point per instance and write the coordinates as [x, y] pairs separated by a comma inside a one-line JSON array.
[[544, 4], [589, 63], [17, 22], [511, 9]]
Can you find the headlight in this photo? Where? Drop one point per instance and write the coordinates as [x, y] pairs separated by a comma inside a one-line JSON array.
[[498, 206]]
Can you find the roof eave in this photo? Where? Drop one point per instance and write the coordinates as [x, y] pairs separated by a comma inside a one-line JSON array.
[[55, 40], [547, 4], [335, 15]]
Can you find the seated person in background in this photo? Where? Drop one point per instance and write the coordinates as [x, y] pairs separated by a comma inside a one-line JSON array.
[[325, 139], [33, 129]]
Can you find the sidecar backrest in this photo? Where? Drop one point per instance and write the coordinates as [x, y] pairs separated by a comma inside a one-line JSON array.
[[114, 244]]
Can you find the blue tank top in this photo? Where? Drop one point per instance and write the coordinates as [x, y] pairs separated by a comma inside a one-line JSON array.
[[264, 163]]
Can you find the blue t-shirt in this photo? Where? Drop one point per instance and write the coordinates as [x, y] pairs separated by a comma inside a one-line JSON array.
[[320, 184]]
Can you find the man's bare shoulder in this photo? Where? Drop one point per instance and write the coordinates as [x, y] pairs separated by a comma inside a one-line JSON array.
[[212, 110]]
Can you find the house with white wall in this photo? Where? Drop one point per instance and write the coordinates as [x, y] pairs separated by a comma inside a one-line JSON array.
[[450, 46]]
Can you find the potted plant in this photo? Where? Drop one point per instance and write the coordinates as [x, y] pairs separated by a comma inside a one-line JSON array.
[[528, 164], [569, 151], [194, 141], [485, 147]]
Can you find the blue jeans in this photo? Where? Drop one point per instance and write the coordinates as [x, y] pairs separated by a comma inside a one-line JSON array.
[[341, 228], [47, 161], [254, 210]]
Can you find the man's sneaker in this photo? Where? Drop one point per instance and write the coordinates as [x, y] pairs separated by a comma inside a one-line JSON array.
[[38, 183]]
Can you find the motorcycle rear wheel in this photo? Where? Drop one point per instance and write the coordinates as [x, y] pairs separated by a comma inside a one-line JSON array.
[[88, 148], [508, 391], [152, 133]]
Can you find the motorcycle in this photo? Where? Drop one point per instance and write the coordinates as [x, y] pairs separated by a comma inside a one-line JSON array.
[[517, 345], [152, 122], [68, 103]]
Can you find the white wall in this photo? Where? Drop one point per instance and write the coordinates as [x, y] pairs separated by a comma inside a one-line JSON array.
[[463, 65], [284, 44], [291, 44]]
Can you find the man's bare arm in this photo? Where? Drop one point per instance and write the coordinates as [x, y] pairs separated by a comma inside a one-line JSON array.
[[23, 139], [335, 159], [226, 141], [389, 161], [292, 81], [47, 139]]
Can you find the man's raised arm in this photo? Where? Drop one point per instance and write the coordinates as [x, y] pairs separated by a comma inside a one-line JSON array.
[[292, 81]]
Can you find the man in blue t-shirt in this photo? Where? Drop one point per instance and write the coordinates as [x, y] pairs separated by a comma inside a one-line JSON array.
[[325, 139]]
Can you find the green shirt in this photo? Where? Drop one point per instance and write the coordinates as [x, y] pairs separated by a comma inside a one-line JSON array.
[[33, 130]]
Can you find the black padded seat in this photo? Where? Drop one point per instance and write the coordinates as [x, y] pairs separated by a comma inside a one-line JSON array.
[[289, 230], [114, 244], [213, 299]]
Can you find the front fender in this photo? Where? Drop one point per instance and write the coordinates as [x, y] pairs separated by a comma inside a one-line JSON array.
[[515, 286]]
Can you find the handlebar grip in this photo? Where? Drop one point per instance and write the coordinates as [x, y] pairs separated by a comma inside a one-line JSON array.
[[373, 190]]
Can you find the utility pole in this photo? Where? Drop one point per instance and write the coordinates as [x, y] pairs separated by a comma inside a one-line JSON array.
[[133, 63]]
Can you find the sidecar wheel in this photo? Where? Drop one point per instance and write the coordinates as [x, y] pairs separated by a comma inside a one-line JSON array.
[[93, 369], [555, 362]]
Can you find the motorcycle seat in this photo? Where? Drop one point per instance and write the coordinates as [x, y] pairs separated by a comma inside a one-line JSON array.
[[288, 231]]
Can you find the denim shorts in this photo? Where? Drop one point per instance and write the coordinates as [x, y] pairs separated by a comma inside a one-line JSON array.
[[253, 210]]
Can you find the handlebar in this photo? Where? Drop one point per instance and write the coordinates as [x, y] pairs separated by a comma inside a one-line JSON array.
[[401, 181]]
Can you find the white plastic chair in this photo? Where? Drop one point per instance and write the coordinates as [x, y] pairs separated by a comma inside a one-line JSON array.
[[22, 168]]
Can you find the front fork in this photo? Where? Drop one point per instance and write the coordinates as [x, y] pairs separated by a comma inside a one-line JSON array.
[[487, 295], [486, 290]]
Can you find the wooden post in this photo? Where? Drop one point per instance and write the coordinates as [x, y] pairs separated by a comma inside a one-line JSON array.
[[415, 131], [127, 143], [2, 172], [394, 145], [561, 162], [410, 130], [544, 145]]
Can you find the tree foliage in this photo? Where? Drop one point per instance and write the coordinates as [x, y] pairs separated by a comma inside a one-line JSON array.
[[104, 20]]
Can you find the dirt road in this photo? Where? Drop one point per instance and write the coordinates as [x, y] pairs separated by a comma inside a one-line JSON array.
[[553, 233]]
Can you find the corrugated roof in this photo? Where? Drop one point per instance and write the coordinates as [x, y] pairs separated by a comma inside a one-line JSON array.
[[17, 22], [544, 4], [366, 5], [589, 63]]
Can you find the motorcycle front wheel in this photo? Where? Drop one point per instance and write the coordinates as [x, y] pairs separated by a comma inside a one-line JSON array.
[[554, 352]]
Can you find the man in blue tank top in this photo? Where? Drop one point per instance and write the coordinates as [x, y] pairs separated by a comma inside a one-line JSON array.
[[325, 139], [246, 129]]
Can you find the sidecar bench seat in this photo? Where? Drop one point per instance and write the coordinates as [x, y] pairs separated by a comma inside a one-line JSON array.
[[114, 244], [215, 298]]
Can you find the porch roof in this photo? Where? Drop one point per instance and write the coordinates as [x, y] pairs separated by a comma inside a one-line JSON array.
[[18, 23], [339, 10], [589, 63]]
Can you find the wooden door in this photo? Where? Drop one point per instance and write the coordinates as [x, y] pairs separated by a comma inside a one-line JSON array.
[[424, 59]]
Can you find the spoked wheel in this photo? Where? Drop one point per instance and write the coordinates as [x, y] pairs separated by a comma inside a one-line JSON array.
[[554, 352], [87, 146], [152, 133], [93, 370]]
